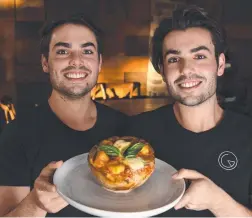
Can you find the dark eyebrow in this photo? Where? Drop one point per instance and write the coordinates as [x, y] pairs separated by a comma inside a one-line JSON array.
[[199, 48], [87, 45], [62, 44], [172, 51], [69, 45]]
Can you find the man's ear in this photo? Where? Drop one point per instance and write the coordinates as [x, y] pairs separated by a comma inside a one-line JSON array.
[[44, 63], [222, 64], [100, 62]]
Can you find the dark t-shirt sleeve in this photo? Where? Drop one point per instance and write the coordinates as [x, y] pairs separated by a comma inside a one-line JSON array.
[[250, 182], [14, 170], [137, 126], [122, 125], [250, 191]]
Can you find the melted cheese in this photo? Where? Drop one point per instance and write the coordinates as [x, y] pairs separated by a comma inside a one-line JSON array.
[[134, 163], [122, 145]]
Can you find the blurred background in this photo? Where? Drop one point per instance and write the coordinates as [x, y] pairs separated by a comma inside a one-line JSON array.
[[127, 81]]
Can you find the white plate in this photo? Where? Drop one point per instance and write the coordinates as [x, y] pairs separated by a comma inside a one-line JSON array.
[[79, 188]]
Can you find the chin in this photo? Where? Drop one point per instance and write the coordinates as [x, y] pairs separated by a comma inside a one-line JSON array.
[[190, 101], [121, 164], [190, 104]]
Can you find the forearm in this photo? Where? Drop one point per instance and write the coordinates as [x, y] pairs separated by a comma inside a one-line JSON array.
[[27, 208], [230, 208]]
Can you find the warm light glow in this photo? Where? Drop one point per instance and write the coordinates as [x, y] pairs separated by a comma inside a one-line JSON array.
[[114, 72], [135, 64], [113, 69], [10, 3]]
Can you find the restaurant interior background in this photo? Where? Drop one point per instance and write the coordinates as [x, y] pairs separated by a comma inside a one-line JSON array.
[[127, 81]]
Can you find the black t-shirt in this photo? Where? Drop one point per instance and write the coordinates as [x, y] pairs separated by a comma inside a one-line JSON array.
[[31, 142], [207, 152]]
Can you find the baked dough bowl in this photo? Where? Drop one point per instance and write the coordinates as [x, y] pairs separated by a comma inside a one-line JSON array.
[[122, 164]]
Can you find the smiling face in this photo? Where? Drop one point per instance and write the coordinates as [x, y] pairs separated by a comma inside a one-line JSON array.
[[73, 61], [189, 66]]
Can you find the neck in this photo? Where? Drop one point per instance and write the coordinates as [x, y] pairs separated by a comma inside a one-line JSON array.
[[78, 114], [199, 118]]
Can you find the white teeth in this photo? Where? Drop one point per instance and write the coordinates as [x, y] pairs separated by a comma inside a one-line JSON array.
[[189, 84], [75, 75]]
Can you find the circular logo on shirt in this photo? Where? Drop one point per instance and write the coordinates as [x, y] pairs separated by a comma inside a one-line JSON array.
[[227, 160]]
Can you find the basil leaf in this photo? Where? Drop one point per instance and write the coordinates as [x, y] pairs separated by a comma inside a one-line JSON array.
[[130, 156], [133, 150], [110, 150]]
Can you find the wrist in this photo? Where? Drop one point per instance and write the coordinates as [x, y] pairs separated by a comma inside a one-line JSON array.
[[27, 208], [222, 203], [34, 204]]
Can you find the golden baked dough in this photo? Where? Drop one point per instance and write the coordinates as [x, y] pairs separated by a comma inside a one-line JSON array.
[[122, 163]]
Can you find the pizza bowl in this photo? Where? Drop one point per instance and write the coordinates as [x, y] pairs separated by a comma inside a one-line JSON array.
[[121, 164]]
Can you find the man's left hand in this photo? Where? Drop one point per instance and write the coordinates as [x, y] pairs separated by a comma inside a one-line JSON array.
[[202, 194]]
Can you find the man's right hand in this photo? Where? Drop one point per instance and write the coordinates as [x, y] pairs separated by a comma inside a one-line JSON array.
[[44, 194]]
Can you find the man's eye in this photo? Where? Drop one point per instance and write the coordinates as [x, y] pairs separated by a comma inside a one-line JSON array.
[[200, 57], [62, 52], [173, 60], [87, 51]]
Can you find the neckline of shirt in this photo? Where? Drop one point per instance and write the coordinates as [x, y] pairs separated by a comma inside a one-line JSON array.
[[223, 122]]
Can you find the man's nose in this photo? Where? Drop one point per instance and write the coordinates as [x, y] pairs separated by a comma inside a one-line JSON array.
[[76, 59], [186, 67]]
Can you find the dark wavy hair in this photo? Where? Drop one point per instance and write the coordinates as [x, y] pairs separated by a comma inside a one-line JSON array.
[[78, 19], [183, 18]]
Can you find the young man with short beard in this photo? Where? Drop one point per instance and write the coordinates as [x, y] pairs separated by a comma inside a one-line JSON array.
[[210, 147], [69, 124]]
